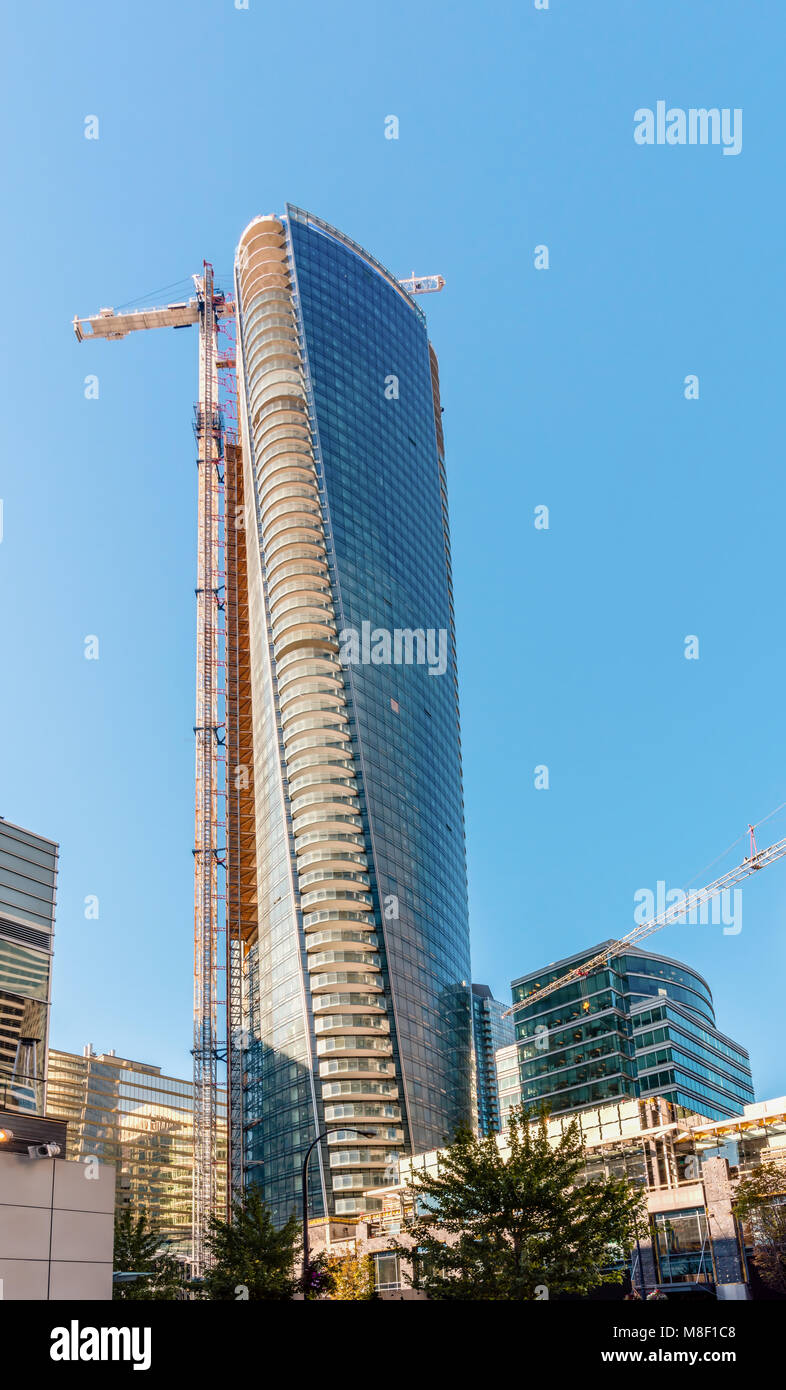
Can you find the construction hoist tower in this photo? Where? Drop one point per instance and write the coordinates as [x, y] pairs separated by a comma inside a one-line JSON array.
[[220, 612], [210, 773], [224, 849]]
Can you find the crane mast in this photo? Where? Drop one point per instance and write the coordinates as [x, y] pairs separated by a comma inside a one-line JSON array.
[[216, 946], [210, 737]]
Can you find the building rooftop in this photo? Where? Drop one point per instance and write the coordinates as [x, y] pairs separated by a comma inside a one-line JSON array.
[[569, 961]]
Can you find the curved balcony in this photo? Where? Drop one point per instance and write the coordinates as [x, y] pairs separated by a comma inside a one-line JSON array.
[[301, 610], [313, 633], [347, 999], [329, 705], [333, 1026], [339, 878], [369, 941], [333, 843], [320, 783], [350, 980], [310, 677], [325, 737], [355, 1023], [320, 864], [358, 915], [297, 587], [287, 663], [365, 1089], [354, 1110], [335, 898], [287, 475], [313, 816], [304, 567], [366, 1157], [327, 759], [287, 547], [356, 1068], [303, 504], [337, 906], [298, 625], [316, 719], [325, 960], [353, 1046]]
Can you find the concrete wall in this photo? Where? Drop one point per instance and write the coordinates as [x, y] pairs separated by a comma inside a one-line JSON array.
[[56, 1229]]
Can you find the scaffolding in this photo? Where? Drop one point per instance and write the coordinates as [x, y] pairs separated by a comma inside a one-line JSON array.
[[241, 883]]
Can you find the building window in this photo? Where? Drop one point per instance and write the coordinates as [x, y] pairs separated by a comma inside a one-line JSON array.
[[683, 1247], [387, 1271]]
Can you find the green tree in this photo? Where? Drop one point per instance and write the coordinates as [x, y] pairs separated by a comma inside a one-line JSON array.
[[138, 1249], [251, 1258], [523, 1225], [760, 1200]]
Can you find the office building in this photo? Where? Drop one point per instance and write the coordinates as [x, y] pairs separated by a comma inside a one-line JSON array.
[[490, 1031], [131, 1116], [641, 1025], [356, 940], [28, 878]]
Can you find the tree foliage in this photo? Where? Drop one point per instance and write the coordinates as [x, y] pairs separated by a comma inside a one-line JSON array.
[[252, 1259], [518, 1225], [138, 1249], [351, 1277], [760, 1200]]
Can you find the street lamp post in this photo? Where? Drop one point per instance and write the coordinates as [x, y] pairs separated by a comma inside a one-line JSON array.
[[641, 1271], [364, 1134]]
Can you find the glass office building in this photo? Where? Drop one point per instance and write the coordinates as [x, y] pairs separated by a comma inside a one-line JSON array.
[[28, 878], [490, 1031], [128, 1114], [357, 970], [643, 1025]]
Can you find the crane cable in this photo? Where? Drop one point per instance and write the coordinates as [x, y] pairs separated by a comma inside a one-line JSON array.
[[618, 942], [732, 846]]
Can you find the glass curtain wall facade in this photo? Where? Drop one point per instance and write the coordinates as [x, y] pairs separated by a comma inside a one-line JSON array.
[[128, 1114], [490, 1031], [357, 980], [28, 878], [642, 1026]]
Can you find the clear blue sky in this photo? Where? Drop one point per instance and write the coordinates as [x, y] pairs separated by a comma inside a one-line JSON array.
[[562, 388]]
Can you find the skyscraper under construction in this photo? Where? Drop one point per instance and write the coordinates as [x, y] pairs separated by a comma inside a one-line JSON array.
[[330, 877], [347, 877]]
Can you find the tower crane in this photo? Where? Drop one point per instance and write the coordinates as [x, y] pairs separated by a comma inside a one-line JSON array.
[[213, 1040], [756, 860]]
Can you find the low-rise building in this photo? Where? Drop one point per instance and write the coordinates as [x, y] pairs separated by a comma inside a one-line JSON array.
[[687, 1165]]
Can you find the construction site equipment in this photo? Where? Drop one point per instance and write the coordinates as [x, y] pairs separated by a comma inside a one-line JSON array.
[[216, 1034], [756, 860], [423, 284]]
